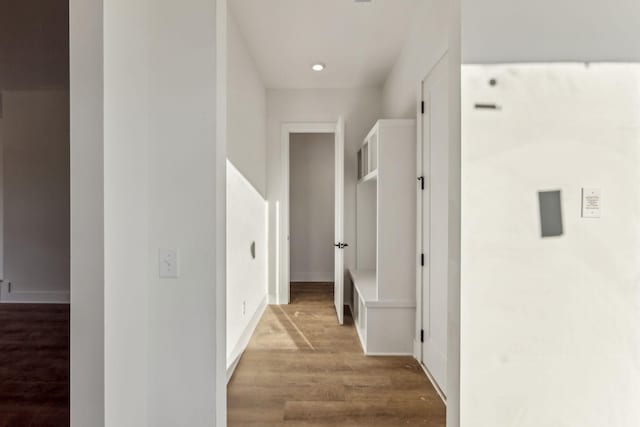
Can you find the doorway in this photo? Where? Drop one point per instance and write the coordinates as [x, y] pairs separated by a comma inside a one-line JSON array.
[[305, 132], [311, 210], [433, 224], [34, 213]]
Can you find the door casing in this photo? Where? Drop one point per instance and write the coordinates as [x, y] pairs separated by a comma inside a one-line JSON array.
[[282, 209]]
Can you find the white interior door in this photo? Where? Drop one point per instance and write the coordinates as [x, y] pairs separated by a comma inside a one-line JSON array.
[[338, 293], [435, 221]]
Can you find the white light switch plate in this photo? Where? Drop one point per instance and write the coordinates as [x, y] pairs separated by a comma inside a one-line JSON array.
[[591, 202], [168, 263]]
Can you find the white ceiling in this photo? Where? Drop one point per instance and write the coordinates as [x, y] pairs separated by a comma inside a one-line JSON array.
[[358, 42]]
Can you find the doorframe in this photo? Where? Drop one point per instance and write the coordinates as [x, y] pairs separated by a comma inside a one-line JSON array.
[[282, 250], [452, 400]]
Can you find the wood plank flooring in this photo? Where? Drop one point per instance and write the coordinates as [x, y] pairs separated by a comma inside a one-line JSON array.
[[302, 369], [34, 365]]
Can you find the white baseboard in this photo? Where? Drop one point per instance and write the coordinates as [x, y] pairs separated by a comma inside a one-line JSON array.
[[232, 368], [242, 343], [9, 295], [417, 350], [433, 382], [312, 277], [379, 353]]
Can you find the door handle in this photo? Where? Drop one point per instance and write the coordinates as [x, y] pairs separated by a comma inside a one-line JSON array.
[[341, 245]]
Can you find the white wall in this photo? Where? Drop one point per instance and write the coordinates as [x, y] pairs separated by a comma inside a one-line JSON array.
[[360, 109], [435, 30], [548, 30], [312, 213], [247, 112], [246, 282], [35, 129], [183, 194], [246, 276], [126, 213], [551, 327], [426, 43], [584, 31], [161, 190]]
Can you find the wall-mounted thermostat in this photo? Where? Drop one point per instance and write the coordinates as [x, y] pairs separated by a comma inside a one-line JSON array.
[[591, 202]]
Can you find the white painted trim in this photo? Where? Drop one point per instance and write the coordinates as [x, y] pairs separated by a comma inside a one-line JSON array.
[[433, 382], [244, 339], [417, 349], [312, 277], [220, 404], [232, 368], [283, 259], [389, 304], [362, 343], [8, 294], [382, 354]]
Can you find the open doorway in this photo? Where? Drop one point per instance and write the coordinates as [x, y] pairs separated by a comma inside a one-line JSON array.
[[335, 132], [311, 216], [34, 213]]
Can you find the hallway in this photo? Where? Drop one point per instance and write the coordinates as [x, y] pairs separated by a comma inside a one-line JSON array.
[[302, 369]]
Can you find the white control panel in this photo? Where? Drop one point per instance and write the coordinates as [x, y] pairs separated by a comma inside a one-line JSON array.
[[168, 263], [591, 202]]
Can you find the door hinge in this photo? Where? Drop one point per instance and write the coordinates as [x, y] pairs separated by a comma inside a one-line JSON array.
[[421, 179], [422, 260], [422, 107], [421, 335]]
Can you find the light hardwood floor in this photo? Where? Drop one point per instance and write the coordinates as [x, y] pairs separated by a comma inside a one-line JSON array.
[[302, 369]]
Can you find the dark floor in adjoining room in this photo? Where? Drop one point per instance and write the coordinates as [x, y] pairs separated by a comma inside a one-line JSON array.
[[34, 365], [303, 369]]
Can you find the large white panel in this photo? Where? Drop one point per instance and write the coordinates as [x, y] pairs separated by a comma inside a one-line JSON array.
[[550, 326], [246, 274]]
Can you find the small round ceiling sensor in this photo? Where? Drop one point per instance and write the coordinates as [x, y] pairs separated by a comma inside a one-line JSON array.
[[318, 67]]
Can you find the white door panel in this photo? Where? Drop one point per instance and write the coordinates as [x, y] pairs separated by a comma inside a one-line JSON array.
[[435, 213], [338, 294]]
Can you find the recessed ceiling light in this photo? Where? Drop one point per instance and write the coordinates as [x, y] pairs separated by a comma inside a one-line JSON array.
[[318, 67]]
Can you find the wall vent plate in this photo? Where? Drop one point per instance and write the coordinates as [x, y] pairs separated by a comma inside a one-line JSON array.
[[550, 213]]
